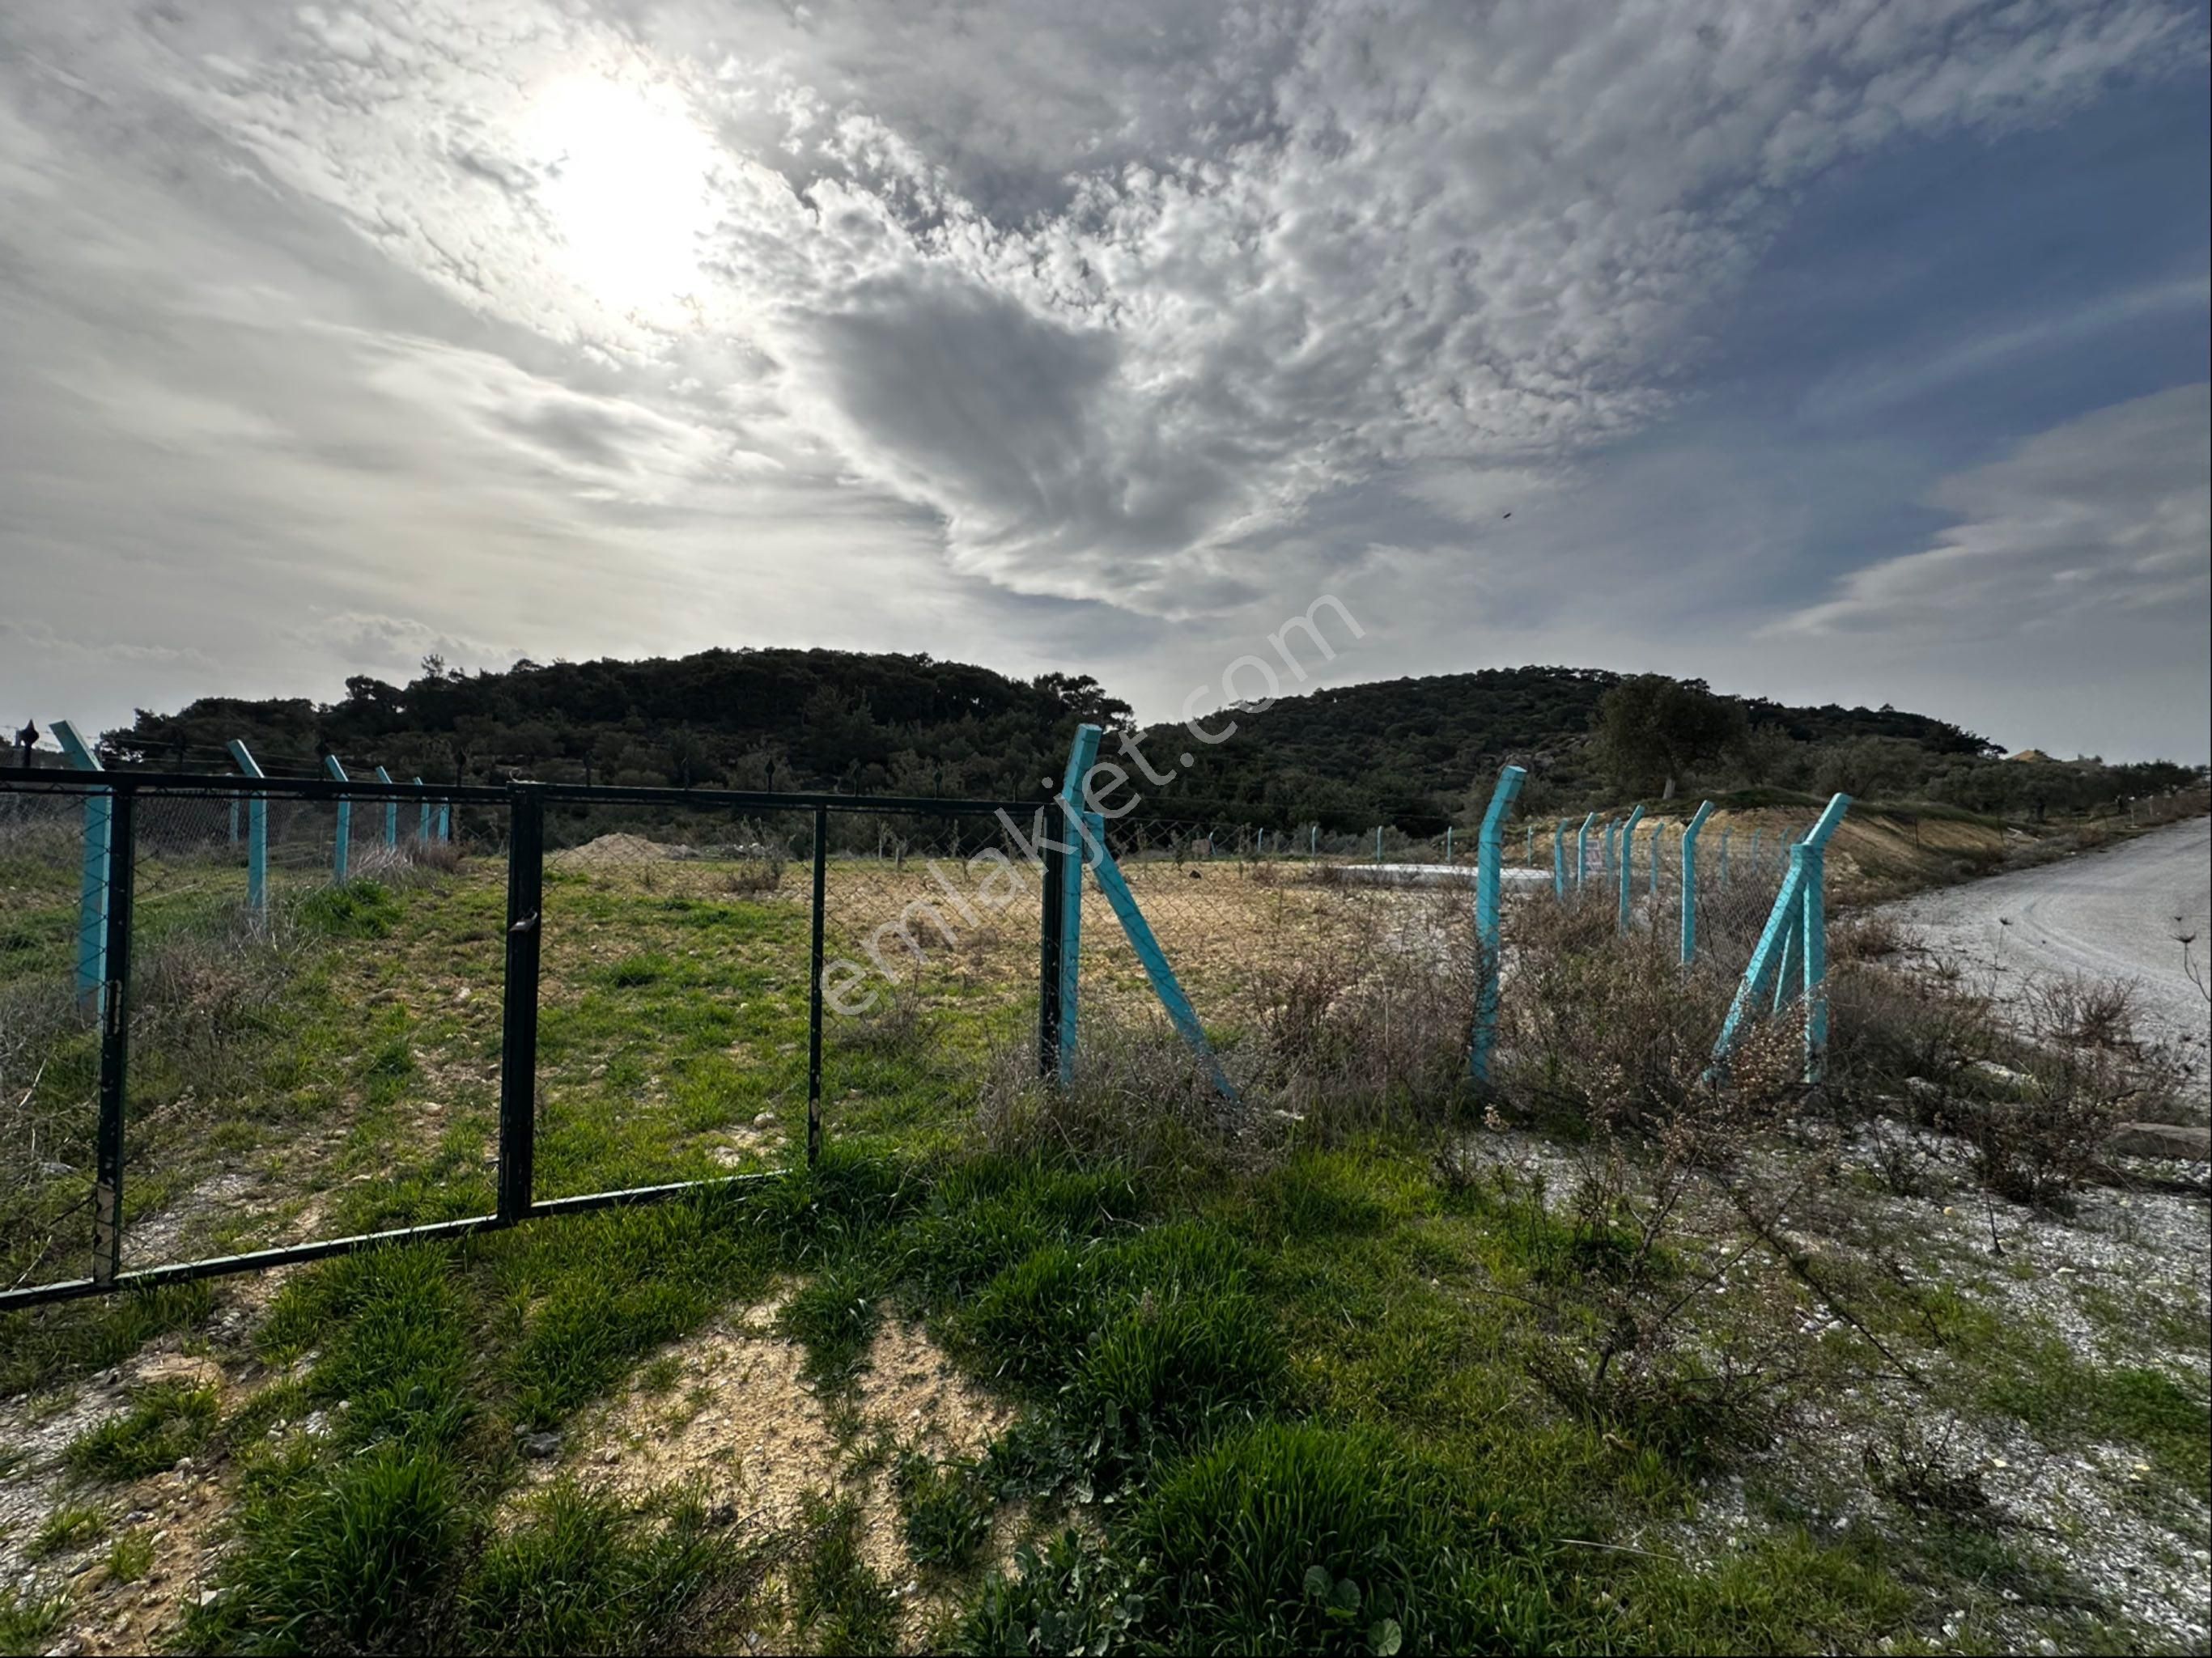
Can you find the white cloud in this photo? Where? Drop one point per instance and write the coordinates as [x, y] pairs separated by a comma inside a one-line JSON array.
[[2111, 511], [1110, 291]]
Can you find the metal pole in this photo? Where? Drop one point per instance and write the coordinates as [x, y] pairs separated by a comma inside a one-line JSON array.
[[92, 892], [1559, 861], [345, 818], [1490, 851], [257, 836], [814, 994], [1814, 926], [1082, 753], [1689, 832], [114, 1043], [423, 828], [517, 1049], [1582, 850], [1627, 861], [390, 813], [1048, 938]]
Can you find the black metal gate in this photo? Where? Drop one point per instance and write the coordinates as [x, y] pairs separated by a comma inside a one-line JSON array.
[[45, 802]]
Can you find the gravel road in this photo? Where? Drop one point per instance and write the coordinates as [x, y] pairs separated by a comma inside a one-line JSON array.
[[2112, 914]]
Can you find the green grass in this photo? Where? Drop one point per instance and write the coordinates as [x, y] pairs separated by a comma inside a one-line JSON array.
[[130, 1556], [27, 1619], [839, 1602], [166, 1421], [582, 1574], [73, 1526], [945, 1512], [1302, 1407]]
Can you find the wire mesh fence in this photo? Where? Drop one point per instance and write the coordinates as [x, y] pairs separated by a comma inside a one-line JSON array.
[[49, 1040], [244, 1020]]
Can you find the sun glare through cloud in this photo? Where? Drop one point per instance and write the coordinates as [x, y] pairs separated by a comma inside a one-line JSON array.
[[627, 185]]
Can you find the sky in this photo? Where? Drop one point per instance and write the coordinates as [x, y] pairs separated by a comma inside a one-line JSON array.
[[1847, 351]]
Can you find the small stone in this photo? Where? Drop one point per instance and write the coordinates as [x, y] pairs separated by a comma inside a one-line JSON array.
[[213, 1597], [540, 1446]]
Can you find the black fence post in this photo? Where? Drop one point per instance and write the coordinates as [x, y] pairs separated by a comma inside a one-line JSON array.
[[518, 1048], [814, 989], [1048, 937], [114, 1035]]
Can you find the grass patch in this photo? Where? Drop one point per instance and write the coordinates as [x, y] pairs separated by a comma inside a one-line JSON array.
[[73, 1526], [837, 1599], [583, 1574], [27, 1619], [945, 1512], [166, 1421]]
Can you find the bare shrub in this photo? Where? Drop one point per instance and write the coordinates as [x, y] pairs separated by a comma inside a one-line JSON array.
[[1865, 936], [1611, 1032], [438, 857], [890, 1028], [1138, 1098], [1664, 1312]]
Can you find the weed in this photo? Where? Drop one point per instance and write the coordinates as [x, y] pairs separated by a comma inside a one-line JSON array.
[[342, 1556], [944, 1510], [168, 1420], [1070, 1596], [836, 1596], [74, 1526], [1302, 1538], [834, 1318], [130, 1556], [27, 1619], [582, 1574]]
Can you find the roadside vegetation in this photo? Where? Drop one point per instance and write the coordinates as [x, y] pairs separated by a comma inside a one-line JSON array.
[[1617, 1355]]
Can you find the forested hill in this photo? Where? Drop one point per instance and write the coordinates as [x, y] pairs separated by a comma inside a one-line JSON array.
[[1415, 753], [1411, 746]]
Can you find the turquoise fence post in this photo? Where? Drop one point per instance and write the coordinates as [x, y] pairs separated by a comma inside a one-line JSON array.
[[1786, 936], [345, 818], [233, 820], [1559, 860], [1813, 925], [1628, 861], [1582, 851], [92, 892], [1448, 843], [390, 813], [1727, 830], [1611, 832], [1753, 858], [445, 820], [1378, 843], [1165, 986], [1082, 755], [257, 836], [423, 828], [1489, 852], [1689, 832], [1092, 849], [1793, 923]]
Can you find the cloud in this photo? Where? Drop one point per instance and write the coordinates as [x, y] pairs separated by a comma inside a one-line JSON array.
[[1110, 292], [359, 641], [2111, 511]]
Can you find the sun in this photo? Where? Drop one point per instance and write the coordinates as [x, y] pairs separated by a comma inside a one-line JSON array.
[[626, 181]]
